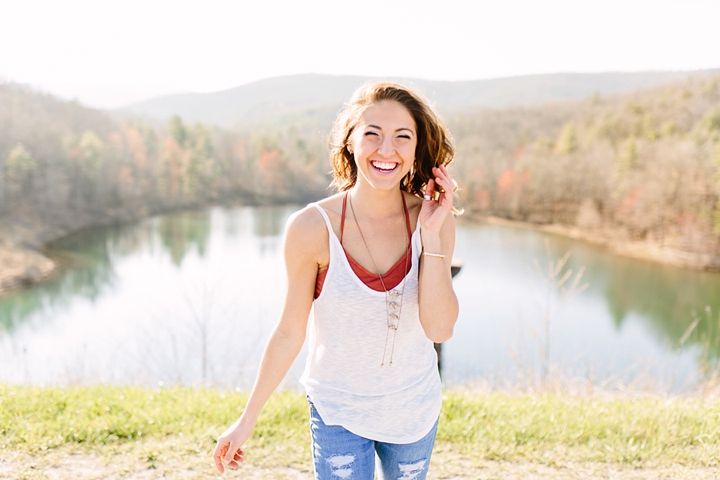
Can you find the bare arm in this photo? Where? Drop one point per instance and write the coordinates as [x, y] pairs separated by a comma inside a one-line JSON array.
[[438, 304], [301, 250]]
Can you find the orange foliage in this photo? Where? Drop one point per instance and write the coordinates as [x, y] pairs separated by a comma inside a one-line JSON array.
[[511, 182], [136, 146], [75, 153], [627, 204], [272, 169], [269, 159]]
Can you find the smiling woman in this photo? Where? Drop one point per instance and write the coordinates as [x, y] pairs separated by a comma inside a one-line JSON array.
[[383, 144], [422, 130], [380, 290]]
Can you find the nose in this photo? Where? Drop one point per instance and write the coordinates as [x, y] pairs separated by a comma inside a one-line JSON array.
[[386, 147]]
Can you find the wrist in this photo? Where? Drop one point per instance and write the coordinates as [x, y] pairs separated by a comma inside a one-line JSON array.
[[432, 243], [246, 423], [248, 418]]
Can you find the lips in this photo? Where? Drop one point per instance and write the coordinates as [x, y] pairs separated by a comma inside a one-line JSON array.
[[384, 166]]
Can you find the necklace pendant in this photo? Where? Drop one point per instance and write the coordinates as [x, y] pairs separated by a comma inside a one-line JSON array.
[[394, 294], [393, 305], [392, 327]]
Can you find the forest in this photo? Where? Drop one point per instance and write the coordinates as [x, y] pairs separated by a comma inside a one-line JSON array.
[[642, 166]]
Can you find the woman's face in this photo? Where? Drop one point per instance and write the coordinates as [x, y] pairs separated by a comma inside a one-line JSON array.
[[384, 144]]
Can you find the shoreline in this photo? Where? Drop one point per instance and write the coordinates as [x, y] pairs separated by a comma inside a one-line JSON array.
[[641, 250], [24, 266]]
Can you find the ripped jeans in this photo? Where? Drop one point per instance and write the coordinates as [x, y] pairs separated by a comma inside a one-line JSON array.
[[340, 454]]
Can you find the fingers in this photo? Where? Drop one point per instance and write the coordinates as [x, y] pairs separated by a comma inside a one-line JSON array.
[[445, 183], [234, 454], [443, 179], [237, 458], [227, 453], [429, 190], [218, 454], [441, 187], [235, 462], [446, 175]]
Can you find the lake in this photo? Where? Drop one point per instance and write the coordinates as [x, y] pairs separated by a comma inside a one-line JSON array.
[[192, 297]]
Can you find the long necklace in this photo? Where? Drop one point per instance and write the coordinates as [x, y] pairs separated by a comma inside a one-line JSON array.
[[391, 297]]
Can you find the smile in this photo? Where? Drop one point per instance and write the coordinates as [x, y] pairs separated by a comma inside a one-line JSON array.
[[384, 166]]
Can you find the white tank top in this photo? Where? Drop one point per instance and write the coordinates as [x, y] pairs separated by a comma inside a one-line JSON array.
[[396, 403]]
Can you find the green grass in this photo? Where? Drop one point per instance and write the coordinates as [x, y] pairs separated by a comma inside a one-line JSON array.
[[550, 427], [544, 428]]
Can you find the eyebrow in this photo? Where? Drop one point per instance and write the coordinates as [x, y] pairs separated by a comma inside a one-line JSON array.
[[397, 130]]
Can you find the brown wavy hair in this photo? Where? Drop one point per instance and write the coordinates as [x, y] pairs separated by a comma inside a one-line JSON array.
[[434, 142]]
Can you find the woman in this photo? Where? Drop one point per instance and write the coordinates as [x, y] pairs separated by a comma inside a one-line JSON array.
[[371, 374]]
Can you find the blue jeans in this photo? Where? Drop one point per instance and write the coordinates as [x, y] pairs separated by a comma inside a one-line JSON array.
[[339, 454]]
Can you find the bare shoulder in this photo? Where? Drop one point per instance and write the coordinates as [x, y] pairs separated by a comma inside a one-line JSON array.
[[414, 203], [332, 204], [305, 227]]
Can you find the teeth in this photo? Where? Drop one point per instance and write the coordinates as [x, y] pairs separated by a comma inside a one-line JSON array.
[[384, 165]]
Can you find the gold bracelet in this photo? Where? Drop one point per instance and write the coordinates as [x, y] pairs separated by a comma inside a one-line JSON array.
[[439, 255]]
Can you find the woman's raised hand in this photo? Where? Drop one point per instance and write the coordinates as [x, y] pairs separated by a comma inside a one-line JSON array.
[[434, 212]]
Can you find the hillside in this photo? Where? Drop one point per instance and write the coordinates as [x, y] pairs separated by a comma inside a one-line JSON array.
[[321, 96], [638, 172], [639, 168]]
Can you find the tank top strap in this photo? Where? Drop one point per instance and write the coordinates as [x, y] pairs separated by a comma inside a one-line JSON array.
[[407, 218], [342, 216], [327, 219]]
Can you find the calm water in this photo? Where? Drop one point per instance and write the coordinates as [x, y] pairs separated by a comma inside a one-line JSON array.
[[192, 298]]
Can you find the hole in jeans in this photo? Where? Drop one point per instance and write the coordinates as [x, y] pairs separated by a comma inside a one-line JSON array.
[[409, 471], [340, 465]]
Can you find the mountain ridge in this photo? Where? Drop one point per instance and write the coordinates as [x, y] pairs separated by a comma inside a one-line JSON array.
[[263, 100]]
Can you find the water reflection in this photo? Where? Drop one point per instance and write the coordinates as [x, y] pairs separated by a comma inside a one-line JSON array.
[[628, 323], [191, 297], [269, 225], [90, 270], [664, 295], [179, 232]]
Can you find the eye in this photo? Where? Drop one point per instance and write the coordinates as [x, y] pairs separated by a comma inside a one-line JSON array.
[[404, 136], [368, 133]]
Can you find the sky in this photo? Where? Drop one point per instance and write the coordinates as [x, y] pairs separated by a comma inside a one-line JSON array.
[[108, 54]]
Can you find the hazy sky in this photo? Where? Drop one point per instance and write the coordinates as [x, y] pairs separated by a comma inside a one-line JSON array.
[[109, 53]]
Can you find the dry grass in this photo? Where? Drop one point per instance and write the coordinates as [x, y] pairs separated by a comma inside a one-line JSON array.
[[174, 458]]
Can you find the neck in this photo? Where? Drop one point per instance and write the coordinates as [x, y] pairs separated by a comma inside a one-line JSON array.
[[370, 202]]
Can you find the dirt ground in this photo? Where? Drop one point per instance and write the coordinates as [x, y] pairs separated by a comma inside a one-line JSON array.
[[22, 267], [155, 461]]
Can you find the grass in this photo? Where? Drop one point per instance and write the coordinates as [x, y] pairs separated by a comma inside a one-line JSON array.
[[548, 428]]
